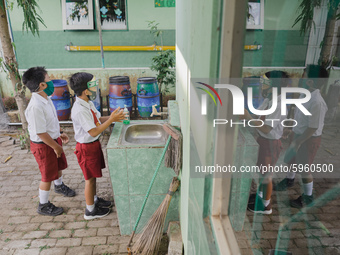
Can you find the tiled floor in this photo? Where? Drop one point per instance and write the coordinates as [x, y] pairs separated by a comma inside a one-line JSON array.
[[23, 231], [317, 231]]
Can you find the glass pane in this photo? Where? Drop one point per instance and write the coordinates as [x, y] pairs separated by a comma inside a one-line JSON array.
[[283, 212]]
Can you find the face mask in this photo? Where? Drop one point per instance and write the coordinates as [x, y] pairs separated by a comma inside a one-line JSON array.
[[50, 88], [92, 96], [92, 87]]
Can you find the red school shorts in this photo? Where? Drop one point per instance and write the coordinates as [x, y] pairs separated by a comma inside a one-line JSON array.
[[49, 164], [307, 150], [90, 158], [269, 151]]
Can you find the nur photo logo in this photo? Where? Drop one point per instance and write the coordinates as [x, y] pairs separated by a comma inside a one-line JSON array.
[[238, 104]]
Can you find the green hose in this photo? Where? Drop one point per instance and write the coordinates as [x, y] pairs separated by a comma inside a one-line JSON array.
[[149, 189]]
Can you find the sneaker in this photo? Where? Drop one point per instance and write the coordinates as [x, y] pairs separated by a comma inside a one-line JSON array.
[[301, 201], [97, 212], [49, 209], [284, 184], [64, 190], [258, 207], [104, 203], [253, 197]]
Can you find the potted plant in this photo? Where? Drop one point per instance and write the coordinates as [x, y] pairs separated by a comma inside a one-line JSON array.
[[163, 63]]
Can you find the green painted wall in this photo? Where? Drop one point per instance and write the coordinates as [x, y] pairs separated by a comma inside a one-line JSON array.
[[282, 43], [279, 48], [49, 49]]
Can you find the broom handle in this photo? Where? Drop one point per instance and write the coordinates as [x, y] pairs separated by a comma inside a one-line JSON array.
[[149, 189]]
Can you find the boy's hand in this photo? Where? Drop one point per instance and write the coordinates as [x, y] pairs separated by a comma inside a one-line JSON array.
[[64, 138], [117, 115], [246, 115], [58, 150], [286, 133]]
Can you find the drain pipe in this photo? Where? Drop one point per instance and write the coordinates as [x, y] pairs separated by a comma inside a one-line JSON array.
[[99, 26]]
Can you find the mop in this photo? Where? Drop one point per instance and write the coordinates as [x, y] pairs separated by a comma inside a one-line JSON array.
[[150, 238], [154, 228]]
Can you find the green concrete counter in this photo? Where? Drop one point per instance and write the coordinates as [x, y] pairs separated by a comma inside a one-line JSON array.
[[131, 169]]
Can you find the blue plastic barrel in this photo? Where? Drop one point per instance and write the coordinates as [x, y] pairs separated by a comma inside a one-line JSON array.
[[96, 101], [147, 95], [120, 93], [61, 99]]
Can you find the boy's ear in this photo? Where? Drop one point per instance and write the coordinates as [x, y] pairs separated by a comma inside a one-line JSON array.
[[85, 92], [42, 85]]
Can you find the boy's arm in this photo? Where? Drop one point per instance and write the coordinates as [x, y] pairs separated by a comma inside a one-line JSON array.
[[103, 119], [47, 139], [116, 116], [264, 129]]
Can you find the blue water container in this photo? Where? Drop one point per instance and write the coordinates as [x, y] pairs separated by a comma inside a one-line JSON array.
[[147, 95], [61, 99]]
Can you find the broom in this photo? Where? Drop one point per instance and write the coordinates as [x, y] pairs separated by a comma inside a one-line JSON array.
[[173, 155], [176, 135], [150, 238]]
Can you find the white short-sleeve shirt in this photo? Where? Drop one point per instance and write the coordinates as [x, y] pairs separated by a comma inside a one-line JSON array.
[[318, 108], [41, 116], [83, 120], [273, 120]]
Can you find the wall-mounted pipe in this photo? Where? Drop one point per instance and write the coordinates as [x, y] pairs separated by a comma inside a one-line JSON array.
[[253, 47], [119, 48], [139, 48]]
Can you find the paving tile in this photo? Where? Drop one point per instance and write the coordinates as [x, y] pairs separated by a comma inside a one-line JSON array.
[[84, 250], [105, 249], [68, 242], [94, 240]]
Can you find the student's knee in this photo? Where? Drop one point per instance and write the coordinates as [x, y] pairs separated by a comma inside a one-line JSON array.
[[91, 181]]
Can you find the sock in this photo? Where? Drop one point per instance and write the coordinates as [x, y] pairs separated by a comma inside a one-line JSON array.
[[308, 188], [266, 202], [59, 181], [43, 196], [291, 175], [90, 208], [95, 198], [260, 194]]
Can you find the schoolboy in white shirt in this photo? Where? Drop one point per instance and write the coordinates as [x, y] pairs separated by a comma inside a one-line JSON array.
[[269, 141], [87, 124], [306, 134], [46, 138]]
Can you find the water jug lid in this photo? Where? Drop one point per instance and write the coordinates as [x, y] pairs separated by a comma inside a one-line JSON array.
[[119, 79], [59, 83], [147, 80]]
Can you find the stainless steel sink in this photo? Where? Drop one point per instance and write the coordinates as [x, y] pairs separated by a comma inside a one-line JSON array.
[[143, 133]]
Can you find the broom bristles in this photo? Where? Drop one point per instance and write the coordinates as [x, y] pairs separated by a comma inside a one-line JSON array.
[[150, 238]]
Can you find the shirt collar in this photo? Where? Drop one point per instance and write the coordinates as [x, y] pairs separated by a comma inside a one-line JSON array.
[[39, 98], [82, 102]]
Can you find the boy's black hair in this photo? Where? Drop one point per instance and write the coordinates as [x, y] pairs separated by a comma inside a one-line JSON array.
[[279, 79], [318, 74], [78, 82], [33, 77]]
